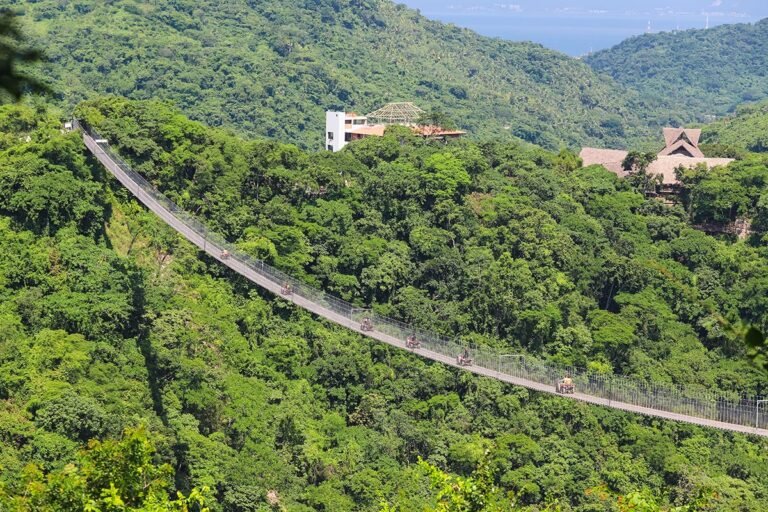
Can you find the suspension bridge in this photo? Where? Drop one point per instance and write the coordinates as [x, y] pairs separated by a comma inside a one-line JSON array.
[[695, 406]]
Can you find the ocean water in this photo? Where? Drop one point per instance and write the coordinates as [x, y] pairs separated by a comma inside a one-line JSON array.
[[574, 35]]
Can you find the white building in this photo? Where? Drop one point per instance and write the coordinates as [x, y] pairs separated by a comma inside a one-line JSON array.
[[338, 128], [344, 127]]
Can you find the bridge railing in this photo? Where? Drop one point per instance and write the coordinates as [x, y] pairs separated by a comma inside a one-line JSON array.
[[684, 400]]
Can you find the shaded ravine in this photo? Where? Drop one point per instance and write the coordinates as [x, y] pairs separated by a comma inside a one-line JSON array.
[[616, 392]]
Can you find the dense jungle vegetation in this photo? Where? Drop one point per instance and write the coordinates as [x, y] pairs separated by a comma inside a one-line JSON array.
[[136, 374], [746, 130], [697, 74], [725, 194], [740, 190], [272, 67], [504, 241], [109, 323]]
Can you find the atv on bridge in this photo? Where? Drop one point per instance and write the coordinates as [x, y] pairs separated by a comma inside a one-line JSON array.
[[411, 342], [463, 359], [565, 386]]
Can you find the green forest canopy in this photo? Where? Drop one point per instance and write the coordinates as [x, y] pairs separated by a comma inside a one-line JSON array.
[[272, 68], [746, 130], [109, 319], [131, 369], [697, 75], [443, 226]]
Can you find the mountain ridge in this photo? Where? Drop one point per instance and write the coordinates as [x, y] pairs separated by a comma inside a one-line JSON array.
[[747, 129], [271, 68], [696, 74]]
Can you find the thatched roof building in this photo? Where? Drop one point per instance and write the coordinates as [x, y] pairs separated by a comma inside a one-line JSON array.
[[682, 142], [611, 159], [681, 149]]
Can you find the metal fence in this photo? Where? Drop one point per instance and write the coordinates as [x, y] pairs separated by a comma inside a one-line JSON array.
[[684, 400]]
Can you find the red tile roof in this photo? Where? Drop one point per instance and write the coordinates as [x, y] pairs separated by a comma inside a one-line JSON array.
[[436, 131], [376, 130]]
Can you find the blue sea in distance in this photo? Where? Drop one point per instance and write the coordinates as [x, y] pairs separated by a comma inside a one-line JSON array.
[[576, 36]]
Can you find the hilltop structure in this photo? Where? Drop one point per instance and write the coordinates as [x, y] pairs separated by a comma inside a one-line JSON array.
[[342, 128], [681, 150], [396, 113]]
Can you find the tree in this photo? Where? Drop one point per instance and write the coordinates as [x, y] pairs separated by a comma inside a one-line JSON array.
[[637, 163], [115, 475], [14, 50], [476, 493], [444, 176], [435, 120]]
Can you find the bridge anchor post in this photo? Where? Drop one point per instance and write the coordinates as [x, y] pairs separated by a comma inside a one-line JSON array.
[[757, 412]]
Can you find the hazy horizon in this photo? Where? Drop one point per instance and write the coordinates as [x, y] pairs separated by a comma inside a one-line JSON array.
[[576, 28]]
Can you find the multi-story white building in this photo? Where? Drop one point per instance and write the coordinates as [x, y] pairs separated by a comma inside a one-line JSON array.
[[338, 128], [344, 127]]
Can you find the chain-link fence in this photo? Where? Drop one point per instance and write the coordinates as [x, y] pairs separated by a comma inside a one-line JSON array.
[[683, 400]]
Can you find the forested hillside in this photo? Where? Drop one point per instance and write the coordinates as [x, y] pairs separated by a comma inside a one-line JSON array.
[[273, 67], [110, 322], [696, 74], [747, 129], [433, 232], [137, 374], [723, 195]]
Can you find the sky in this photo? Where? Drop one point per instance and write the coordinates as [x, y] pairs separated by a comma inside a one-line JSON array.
[[577, 27]]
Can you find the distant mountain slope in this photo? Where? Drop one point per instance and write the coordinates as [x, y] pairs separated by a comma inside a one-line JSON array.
[[748, 129], [696, 73], [272, 67]]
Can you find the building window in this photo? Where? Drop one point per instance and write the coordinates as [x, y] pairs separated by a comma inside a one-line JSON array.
[[330, 135], [347, 137], [330, 147]]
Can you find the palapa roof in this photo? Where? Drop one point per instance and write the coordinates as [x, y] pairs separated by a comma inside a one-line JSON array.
[[681, 141], [611, 159], [396, 113], [672, 135], [666, 165], [682, 149]]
